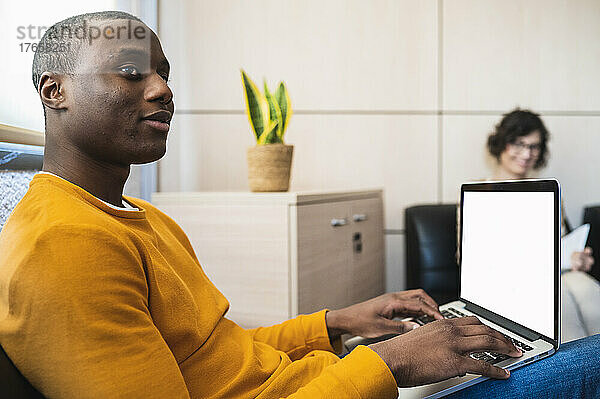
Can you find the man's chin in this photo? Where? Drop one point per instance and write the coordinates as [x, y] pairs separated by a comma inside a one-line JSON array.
[[150, 156]]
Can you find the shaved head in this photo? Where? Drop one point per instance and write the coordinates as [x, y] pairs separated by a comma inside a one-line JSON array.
[[59, 48]]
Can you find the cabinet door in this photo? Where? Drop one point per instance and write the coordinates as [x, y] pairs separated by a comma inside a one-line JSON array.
[[324, 256], [367, 274]]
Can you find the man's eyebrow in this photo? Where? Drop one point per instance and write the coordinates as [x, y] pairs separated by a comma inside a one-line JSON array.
[[125, 51]]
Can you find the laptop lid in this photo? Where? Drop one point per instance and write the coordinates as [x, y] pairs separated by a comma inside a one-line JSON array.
[[510, 255]]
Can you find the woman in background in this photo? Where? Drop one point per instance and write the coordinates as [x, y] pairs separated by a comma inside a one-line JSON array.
[[519, 144]]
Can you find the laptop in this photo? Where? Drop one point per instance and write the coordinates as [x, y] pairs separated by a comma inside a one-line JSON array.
[[509, 272]]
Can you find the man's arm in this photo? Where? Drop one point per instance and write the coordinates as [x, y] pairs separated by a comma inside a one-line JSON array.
[[428, 354], [299, 336], [372, 318], [79, 324], [361, 374], [375, 371]]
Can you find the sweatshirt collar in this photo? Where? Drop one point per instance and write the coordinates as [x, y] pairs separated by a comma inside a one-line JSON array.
[[130, 213]]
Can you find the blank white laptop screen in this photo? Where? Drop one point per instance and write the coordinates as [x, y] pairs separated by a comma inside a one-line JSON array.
[[508, 256]]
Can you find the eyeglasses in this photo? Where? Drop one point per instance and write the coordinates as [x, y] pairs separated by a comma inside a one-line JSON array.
[[521, 147]]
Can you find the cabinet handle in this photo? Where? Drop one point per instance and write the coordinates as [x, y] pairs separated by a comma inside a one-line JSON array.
[[339, 222], [359, 217]]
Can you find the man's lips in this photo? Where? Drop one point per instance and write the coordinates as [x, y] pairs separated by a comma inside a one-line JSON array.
[[159, 120], [162, 126]]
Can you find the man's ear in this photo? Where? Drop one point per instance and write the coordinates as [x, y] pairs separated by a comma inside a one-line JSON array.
[[52, 91]]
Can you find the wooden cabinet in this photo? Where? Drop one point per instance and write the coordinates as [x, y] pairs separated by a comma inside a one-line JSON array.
[[277, 255]]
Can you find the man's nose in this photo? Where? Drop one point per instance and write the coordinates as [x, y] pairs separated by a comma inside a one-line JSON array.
[[158, 90]]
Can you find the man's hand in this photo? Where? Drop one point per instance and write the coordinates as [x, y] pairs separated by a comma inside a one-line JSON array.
[[374, 317], [582, 261], [441, 349]]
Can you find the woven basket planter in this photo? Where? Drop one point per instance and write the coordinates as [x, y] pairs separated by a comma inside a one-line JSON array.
[[269, 167]]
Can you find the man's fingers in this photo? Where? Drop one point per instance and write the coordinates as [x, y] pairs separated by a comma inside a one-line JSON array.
[[485, 369], [482, 343], [423, 296], [477, 329], [483, 330], [466, 321], [398, 327], [416, 307]]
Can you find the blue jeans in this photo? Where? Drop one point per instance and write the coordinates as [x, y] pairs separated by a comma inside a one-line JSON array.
[[572, 372]]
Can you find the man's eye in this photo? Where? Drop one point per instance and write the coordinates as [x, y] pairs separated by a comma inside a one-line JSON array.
[[131, 71], [165, 78]]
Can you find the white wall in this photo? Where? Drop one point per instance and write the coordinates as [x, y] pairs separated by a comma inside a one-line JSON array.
[[399, 94], [21, 106]]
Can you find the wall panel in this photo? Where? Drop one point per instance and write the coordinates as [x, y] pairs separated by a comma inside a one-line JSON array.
[[335, 55], [543, 54]]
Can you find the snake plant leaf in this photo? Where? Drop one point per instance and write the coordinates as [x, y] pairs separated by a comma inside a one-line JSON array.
[[285, 105], [269, 136], [275, 111], [257, 107]]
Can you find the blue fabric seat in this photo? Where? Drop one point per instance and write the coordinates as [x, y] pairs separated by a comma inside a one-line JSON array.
[[18, 165]]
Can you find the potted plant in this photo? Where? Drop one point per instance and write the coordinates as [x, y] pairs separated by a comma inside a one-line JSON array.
[[270, 161]]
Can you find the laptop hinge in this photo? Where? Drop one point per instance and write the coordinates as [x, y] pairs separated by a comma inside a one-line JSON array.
[[502, 321]]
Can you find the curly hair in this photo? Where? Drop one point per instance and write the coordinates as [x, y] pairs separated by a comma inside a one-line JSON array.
[[515, 124]]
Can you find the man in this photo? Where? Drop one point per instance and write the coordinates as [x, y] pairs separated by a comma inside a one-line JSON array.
[[102, 296]]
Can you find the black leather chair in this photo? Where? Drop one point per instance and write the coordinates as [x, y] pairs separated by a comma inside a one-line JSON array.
[[591, 215], [12, 382], [430, 232]]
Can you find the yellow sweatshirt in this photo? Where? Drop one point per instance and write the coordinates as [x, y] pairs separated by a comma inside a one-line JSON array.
[[97, 302]]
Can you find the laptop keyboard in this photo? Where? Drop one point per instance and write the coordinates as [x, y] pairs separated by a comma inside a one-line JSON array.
[[489, 357]]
